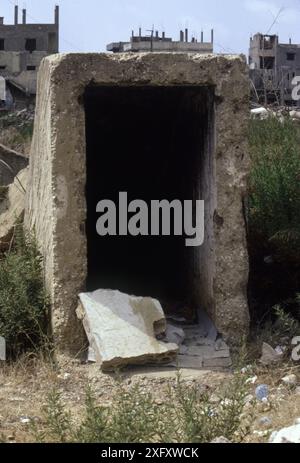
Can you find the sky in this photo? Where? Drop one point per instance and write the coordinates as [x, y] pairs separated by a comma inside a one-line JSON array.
[[89, 25]]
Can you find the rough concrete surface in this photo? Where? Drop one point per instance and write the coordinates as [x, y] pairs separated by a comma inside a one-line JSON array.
[[56, 205], [122, 329]]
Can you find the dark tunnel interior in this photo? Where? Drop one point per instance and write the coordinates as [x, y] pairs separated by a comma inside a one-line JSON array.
[[148, 142]]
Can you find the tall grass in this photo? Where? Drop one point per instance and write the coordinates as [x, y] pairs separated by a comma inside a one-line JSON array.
[[274, 201], [23, 301]]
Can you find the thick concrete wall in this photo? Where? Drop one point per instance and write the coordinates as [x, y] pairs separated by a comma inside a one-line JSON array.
[[56, 206]]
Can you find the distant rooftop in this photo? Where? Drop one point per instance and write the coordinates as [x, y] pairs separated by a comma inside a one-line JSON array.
[[156, 42], [24, 19]]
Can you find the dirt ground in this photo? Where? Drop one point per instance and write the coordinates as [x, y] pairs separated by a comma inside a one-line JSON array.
[[25, 385]]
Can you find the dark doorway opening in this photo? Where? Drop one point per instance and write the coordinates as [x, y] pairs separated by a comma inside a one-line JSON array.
[[150, 142]]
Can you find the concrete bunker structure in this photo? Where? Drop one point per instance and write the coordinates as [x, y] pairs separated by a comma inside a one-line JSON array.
[[158, 126]]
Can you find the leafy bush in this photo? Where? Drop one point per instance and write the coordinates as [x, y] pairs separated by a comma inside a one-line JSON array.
[[23, 300], [186, 416], [274, 201], [279, 329]]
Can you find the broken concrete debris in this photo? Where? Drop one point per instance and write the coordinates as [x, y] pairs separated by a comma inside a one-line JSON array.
[[263, 113], [290, 380], [174, 334], [269, 355], [12, 208], [289, 435], [126, 330], [201, 347], [122, 329]]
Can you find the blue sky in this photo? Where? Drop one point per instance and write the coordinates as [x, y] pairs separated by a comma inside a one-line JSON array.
[[88, 25]]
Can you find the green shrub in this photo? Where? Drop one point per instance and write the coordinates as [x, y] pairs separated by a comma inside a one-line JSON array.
[[279, 329], [134, 416], [274, 200], [23, 300]]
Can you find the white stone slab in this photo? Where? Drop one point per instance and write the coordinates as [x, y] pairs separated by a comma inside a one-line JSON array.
[[122, 329], [286, 435]]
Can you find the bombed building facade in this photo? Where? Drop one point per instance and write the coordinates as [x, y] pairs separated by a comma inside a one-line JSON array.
[[22, 47], [273, 66], [155, 42]]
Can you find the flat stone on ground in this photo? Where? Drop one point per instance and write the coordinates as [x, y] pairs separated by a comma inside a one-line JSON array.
[[122, 329]]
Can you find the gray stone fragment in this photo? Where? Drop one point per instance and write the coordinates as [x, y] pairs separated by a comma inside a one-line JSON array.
[[269, 355], [174, 334], [217, 362]]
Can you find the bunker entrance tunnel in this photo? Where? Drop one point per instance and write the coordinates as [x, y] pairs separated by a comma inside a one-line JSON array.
[[153, 143]]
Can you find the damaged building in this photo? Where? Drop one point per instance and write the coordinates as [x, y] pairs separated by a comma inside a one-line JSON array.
[[273, 66], [157, 126], [156, 42], [23, 45]]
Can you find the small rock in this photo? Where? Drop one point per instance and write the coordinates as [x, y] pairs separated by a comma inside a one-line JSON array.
[[174, 334], [246, 369], [214, 399], [252, 380], [25, 420], [261, 433], [290, 380], [220, 440], [262, 392], [297, 421], [226, 402], [220, 345], [269, 355], [265, 421], [159, 402], [264, 406], [280, 350], [248, 399], [297, 390]]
